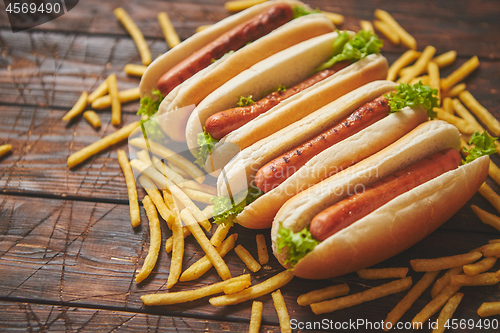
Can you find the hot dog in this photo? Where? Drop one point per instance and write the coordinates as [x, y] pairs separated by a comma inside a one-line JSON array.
[[428, 162], [294, 68], [198, 64], [258, 209]]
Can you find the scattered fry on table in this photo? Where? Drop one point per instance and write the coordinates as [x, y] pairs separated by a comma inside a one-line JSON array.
[[454, 91], [247, 258], [434, 78], [255, 317], [494, 172], [184, 199], [433, 306], [489, 309], [480, 267], [125, 96], [5, 149], [100, 91], [462, 125], [480, 111], [445, 59], [169, 243], [447, 312], [447, 104], [382, 273], [116, 107], [262, 252], [466, 115], [487, 192], [420, 65], [168, 30], [134, 70], [135, 33], [337, 19], [483, 279], [152, 173], [444, 280], [177, 254], [282, 311], [143, 156], [198, 196], [324, 294], [404, 60], [93, 119], [387, 31], [366, 26], [490, 250], [437, 264], [235, 287], [78, 108], [135, 215], [157, 199], [404, 36], [487, 218], [461, 73], [219, 234]]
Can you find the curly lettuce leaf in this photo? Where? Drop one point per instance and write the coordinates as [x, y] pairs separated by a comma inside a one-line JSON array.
[[299, 11], [149, 107], [483, 145], [225, 209], [298, 243], [206, 143], [362, 44], [245, 101], [414, 95]]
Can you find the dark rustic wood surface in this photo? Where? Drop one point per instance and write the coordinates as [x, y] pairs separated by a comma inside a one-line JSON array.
[[68, 254]]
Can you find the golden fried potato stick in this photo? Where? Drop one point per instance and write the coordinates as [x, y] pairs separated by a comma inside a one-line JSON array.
[[168, 30], [170, 241], [454, 91], [437, 303], [404, 60], [5, 149], [447, 104], [282, 311], [125, 96], [204, 264], [437, 264], [235, 287], [487, 218], [447, 312], [198, 195], [177, 253], [483, 279], [135, 215], [410, 298], [255, 317], [490, 250], [434, 78], [100, 91], [366, 26], [135, 33], [487, 192], [445, 59], [335, 304], [134, 70], [143, 156], [489, 309], [466, 115], [383, 273], [239, 5], [219, 234], [480, 111], [263, 288], [324, 294], [444, 281], [420, 65], [247, 258], [461, 73], [190, 295], [405, 37], [93, 119], [262, 252], [155, 240], [78, 108], [480, 267], [167, 172], [98, 146], [494, 171], [186, 202], [157, 199], [149, 171], [462, 125], [336, 19], [116, 107], [211, 252], [387, 31]]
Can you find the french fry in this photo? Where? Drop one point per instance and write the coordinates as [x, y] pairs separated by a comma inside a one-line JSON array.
[[5, 149], [134, 70], [487, 192], [262, 252], [444, 281], [177, 254], [366, 26], [480, 111], [387, 31], [169, 244], [135, 215], [125, 96], [437, 264], [78, 108], [208, 211], [447, 104], [424, 79], [178, 170], [324, 294], [490, 250], [116, 107], [494, 241], [204, 264], [236, 286], [480, 267], [169, 155], [410, 298], [157, 199], [203, 27], [420, 65], [247, 258], [168, 30], [494, 171], [186, 202], [487, 218], [239, 5], [382, 273], [404, 60], [461, 73], [282, 311], [483, 279], [190, 295], [135, 33], [198, 196], [466, 115], [454, 91], [263, 288], [92, 118], [98, 146], [211, 252], [149, 171], [434, 78], [255, 317], [447, 312], [169, 173], [219, 234], [437, 303], [489, 309], [405, 37], [207, 189], [445, 59], [155, 240], [100, 91], [462, 125], [143, 156], [390, 288], [336, 19]]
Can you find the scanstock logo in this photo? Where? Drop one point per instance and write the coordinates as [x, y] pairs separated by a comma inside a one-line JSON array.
[[26, 14]]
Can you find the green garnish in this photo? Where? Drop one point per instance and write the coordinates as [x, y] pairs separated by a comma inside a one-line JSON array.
[[206, 143], [227, 53], [280, 88], [298, 243], [299, 11], [149, 107], [225, 209], [414, 95], [483, 145], [245, 101], [352, 49]]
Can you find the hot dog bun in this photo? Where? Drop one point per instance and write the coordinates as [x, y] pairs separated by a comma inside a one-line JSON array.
[[195, 89], [239, 173], [396, 225]]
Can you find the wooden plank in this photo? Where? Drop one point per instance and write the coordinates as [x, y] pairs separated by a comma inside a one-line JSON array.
[[84, 254], [23, 317]]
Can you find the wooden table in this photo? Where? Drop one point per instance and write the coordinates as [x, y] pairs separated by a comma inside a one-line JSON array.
[[68, 255]]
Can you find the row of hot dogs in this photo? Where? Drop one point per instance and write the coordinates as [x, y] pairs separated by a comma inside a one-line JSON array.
[[305, 136]]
